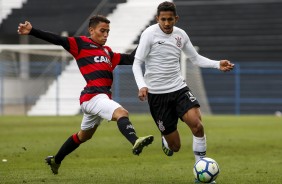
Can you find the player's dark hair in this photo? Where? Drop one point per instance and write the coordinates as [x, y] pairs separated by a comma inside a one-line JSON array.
[[96, 19], [167, 6]]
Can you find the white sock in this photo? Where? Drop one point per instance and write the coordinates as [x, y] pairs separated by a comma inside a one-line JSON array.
[[199, 147], [165, 143]]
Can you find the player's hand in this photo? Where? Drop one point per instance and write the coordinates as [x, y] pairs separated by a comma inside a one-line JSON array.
[[226, 65], [24, 29], [143, 93]]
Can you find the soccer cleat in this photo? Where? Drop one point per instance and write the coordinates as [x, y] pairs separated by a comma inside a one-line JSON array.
[[167, 151], [140, 143], [197, 181], [50, 160]]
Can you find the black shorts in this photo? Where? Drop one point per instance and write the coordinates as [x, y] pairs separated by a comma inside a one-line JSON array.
[[167, 108]]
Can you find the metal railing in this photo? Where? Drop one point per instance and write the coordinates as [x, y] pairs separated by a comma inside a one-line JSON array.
[[251, 88]]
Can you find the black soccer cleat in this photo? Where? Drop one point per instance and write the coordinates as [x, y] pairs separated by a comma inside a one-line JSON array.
[[50, 160], [166, 150], [140, 143]]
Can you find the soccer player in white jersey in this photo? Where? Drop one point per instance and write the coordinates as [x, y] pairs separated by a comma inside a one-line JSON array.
[[169, 97]]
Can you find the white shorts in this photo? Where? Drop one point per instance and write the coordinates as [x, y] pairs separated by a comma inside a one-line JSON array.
[[95, 110]]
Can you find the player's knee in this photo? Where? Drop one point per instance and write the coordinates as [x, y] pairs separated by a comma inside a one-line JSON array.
[[83, 137], [120, 112], [124, 113]]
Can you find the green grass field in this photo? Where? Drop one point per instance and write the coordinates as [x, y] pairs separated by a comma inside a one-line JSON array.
[[247, 148]]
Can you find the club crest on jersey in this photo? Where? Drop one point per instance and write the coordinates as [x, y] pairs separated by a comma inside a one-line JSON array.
[[161, 125], [191, 97], [102, 59], [106, 50], [178, 41]]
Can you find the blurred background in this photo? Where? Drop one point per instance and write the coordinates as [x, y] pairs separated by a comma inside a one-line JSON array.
[[37, 78]]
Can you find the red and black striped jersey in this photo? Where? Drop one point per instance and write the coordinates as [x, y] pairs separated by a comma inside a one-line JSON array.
[[96, 62]]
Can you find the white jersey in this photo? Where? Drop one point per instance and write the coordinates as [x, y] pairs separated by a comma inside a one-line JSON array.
[[161, 54]]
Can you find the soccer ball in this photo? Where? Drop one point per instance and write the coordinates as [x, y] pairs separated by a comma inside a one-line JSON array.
[[206, 170]]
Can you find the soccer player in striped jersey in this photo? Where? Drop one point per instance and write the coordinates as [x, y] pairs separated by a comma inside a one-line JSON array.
[[96, 63], [169, 97]]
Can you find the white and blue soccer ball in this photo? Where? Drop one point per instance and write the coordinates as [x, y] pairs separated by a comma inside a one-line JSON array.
[[206, 170]]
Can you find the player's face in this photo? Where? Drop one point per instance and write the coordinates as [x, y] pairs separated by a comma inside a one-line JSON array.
[[100, 33], [167, 20]]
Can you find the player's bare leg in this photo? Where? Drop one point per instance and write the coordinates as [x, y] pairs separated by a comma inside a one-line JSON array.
[[193, 119]]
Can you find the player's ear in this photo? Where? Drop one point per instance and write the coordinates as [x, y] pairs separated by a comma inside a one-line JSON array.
[[176, 18], [157, 18], [90, 29]]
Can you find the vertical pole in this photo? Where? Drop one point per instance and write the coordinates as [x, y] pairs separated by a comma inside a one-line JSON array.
[[25, 104], [1, 9], [57, 89], [24, 60], [116, 93], [1, 93], [237, 89]]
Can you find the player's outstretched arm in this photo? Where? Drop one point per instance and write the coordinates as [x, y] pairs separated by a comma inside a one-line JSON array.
[[226, 65], [24, 28], [28, 29]]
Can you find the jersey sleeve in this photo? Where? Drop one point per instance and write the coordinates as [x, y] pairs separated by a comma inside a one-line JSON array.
[[51, 38], [196, 58], [144, 46], [188, 48], [142, 52], [74, 45], [116, 59], [138, 74], [127, 59]]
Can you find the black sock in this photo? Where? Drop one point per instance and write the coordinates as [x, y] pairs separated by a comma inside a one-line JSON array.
[[127, 129], [69, 146]]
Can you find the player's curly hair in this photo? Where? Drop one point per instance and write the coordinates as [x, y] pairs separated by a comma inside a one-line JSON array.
[[167, 6], [96, 19]]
